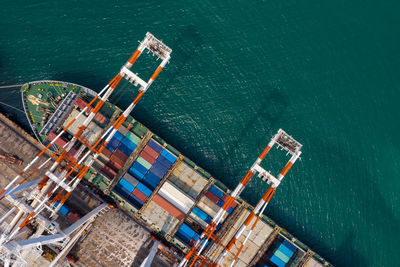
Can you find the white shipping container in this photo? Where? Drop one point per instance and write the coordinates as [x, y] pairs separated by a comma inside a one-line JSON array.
[[176, 197]]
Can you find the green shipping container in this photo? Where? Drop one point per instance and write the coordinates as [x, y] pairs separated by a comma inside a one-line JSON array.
[[133, 138], [145, 164], [281, 256]]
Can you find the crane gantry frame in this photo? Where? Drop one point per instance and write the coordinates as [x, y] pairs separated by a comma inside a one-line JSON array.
[[35, 200]]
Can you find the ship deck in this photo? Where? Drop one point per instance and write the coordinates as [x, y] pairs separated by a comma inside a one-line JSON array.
[[200, 193]]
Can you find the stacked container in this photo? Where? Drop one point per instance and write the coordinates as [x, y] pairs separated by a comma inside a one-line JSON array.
[[118, 151], [219, 197], [187, 234], [149, 168], [188, 180], [283, 253], [129, 188]]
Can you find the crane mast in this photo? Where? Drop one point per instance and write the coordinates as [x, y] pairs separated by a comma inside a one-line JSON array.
[[37, 202]]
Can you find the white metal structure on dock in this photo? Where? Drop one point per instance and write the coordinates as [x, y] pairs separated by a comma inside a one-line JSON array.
[[36, 203]]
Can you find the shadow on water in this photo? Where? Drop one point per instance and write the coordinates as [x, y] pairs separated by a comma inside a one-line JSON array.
[[266, 115], [349, 248], [369, 205]]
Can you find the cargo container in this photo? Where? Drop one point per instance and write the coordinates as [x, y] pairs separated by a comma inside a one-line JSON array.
[[147, 157], [129, 178], [119, 154], [151, 180], [123, 130], [154, 154], [278, 262], [137, 193], [144, 189], [127, 185], [64, 210], [156, 146], [188, 180], [176, 197], [143, 162], [118, 136], [133, 138], [126, 150], [170, 208], [106, 152], [285, 250], [108, 171], [281, 256], [160, 215]]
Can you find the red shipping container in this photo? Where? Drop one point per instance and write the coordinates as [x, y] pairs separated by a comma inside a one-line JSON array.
[[80, 102], [234, 204], [106, 153], [60, 141], [114, 165], [151, 152], [139, 195], [108, 171], [72, 152], [73, 217], [212, 197], [225, 197], [147, 157], [100, 118], [117, 160], [121, 155], [160, 201]]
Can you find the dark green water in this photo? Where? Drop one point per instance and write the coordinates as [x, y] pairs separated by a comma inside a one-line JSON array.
[[328, 72]]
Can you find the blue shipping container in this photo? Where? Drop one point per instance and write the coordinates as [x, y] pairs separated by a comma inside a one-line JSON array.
[[220, 203], [126, 150], [128, 186], [151, 180], [121, 190], [162, 160], [285, 250], [64, 210], [196, 236], [201, 214], [128, 143], [168, 156], [230, 210], [186, 230], [216, 191], [158, 170], [289, 245], [209, 219], [136, 165], [144, 189], [113, 144], [134, 201], [119, 136], [274, 259], [136, 173], [155, 146]]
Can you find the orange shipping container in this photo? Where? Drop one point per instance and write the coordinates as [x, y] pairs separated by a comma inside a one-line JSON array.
[[160, 201]]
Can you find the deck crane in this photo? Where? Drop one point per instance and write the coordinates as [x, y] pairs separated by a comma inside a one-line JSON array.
[[34, 201], [282, 140]]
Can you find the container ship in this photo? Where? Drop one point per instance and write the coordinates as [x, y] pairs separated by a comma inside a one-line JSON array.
[[182, 205]]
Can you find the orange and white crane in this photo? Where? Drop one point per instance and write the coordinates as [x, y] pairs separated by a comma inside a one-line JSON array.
[[35, 200], [286, 142]]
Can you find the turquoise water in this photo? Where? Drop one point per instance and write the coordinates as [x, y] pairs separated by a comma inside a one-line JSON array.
[[326, 72]]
